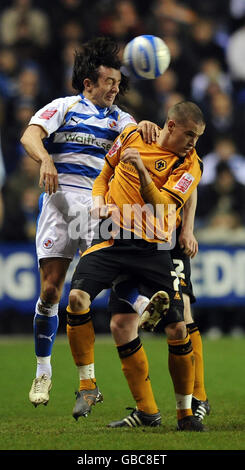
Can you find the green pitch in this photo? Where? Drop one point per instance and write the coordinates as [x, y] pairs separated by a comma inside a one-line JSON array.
[[52, 427]]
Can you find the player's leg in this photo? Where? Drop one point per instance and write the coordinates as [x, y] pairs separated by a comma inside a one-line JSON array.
[[45, 324], [136, 370], [200, 403], [135, 367], [80, 330], [182, 371], [150, 315], [181, 357], [150, 312], [55, 248], [181, 361]]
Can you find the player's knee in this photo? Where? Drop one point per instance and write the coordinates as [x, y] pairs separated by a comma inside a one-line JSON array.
[[117, 324], [79, 300], [176, 330], [124, 327], [120, 322], [50, 293]]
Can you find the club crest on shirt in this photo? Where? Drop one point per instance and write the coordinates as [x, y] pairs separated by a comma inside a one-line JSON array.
[[48, 243], [160, 165], [112, 123], [184, 183]]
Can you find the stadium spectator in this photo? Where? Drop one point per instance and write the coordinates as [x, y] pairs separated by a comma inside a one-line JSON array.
[[32, 85], [67, 60], [72, 30], [163, 87], [211, 9], [210, 80], [164, 27], [1, 208], [226, 202], [20, 196], [23, 22], [2, 179], [82, 13], [128, 15], [175, 10], [224, 150], [122, 21], [222, 120], [235, 57], [17, 116], [9, 70], [236, 13], [183, 63], [203, 42]]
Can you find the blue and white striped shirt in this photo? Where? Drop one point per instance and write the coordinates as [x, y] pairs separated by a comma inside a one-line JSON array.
[[79, 135]]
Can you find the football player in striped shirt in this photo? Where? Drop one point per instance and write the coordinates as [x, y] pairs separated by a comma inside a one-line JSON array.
[[69, 138]]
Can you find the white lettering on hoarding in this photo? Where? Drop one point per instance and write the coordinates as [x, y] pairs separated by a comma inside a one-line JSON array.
[[17, 280], [215, 274]]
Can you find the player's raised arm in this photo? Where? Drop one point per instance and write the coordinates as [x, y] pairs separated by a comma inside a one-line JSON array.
[[100, 188], [32, 141]]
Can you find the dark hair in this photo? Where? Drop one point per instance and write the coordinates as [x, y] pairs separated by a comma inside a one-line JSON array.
[[223, 167], [185, 110], [96, 52]]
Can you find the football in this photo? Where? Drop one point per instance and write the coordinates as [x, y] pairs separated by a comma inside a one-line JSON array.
[[146, 57]]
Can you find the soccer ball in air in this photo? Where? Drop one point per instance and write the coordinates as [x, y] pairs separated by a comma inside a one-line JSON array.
[[146, 57]]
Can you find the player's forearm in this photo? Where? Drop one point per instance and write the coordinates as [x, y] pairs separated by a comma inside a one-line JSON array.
[[100, 186], [33, 145], [149, 192], [189, 210], [144, 177], [151, 195]]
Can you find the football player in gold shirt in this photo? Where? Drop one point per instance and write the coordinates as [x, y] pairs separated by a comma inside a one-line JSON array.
[[137, 185]]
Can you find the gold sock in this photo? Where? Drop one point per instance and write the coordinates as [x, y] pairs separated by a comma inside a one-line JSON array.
[[183, 413], [80, 332], [199, 391], [87, 384], [181, 363], [136, 370]]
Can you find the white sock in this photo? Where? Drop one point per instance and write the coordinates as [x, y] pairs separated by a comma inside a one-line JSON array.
[[140, 304], [86, 372], [183, 402], [44, 366]]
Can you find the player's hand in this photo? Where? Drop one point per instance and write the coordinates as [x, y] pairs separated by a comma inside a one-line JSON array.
[[101, 212], [48, 176], [131, 155], [149, 131], [188, 243]]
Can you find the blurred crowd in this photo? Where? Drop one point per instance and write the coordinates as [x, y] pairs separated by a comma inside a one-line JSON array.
[[206, 40]]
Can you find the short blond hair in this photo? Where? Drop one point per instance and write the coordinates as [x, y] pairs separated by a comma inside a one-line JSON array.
[[186, 110]]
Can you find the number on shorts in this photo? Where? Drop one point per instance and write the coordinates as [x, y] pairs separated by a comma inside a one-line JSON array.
[[175, 281], [179, 268]]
